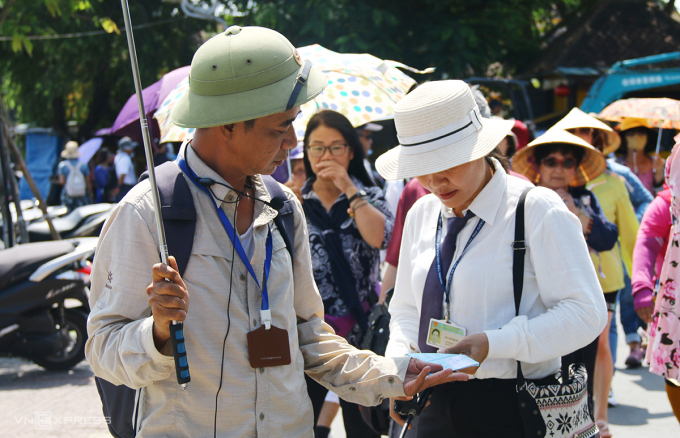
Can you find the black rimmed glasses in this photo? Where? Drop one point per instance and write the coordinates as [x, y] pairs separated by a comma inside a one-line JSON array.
[[317, 151]]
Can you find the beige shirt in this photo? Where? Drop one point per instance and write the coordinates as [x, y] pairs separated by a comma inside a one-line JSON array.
[[265, 402]]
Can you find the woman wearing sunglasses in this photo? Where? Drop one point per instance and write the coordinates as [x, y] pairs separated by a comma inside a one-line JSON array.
[[349, 222], [616, 201], [565, 163]]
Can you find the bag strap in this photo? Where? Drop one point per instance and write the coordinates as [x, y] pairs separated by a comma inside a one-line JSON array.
[[179, 213], [519, 248], [285, 220]]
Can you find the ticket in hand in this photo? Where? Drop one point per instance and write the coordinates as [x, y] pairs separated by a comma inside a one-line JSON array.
[[448, 361]]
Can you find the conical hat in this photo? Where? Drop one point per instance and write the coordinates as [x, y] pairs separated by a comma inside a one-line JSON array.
[[578, 119], [592, 165]]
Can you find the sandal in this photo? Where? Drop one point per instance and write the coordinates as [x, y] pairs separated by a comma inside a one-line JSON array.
[[604, 429]]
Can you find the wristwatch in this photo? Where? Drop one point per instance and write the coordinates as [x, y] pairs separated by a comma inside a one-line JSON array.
[[360, 194]]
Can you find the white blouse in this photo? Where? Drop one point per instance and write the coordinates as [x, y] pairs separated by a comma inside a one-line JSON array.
[[562, 307]]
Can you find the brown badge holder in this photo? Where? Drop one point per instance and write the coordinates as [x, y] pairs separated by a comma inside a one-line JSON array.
[[268, 348]]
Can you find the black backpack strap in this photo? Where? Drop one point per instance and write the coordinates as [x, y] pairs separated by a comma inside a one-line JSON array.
[[179, 213], [285, 219], [179, 220]]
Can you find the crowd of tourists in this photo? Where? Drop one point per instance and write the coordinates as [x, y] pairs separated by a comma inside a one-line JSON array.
[[606, 176], [107, 177], [512, 252]]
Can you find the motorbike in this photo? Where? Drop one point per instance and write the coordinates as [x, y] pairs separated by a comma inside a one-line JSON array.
[[85, 221], [44, 292]]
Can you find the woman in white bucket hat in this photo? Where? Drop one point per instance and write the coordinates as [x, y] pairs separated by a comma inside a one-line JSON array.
[[452, 152]]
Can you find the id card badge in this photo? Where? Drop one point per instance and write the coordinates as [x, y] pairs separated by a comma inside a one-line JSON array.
[[268, 348], [444, 334]]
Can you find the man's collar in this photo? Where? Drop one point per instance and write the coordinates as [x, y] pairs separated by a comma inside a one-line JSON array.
[[263, 213], [486, 204]]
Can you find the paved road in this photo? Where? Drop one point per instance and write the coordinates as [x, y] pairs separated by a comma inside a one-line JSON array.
[[39, 403], [48, 404]]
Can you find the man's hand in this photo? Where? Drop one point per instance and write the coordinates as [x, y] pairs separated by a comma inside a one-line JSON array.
[[169, 300], [475, 346], [417, 380]]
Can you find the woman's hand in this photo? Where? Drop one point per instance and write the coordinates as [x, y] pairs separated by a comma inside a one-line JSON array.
[[334, 171], [580, 214], [297, 190], [645, 314], [658, 164], [474, 346], [568, 200]]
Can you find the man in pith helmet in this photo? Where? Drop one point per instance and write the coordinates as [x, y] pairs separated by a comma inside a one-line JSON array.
[[240, 300]]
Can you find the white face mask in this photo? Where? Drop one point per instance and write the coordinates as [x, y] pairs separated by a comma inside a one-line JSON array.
[[637, 142]]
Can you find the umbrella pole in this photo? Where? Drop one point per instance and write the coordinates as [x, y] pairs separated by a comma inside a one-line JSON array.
[[290, 172], [658, 141], [176, 329]]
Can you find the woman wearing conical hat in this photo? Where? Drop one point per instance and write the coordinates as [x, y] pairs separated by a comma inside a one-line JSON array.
[[604, 138], [607, 141], [574, 169]]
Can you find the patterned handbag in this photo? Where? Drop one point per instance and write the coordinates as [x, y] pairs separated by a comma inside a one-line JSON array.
[[556, 406]]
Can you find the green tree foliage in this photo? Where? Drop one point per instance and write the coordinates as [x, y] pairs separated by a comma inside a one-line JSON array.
[[459, 37], [86, 78]]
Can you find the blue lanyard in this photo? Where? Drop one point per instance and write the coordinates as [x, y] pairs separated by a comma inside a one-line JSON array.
[[447, 286], [264, 310]]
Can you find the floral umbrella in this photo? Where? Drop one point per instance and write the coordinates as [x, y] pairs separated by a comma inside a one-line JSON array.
[[170, 131], [360, 86], [660, 112]]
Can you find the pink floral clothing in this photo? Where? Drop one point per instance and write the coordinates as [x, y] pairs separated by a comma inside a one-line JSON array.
[[650, 249], [663, 353]]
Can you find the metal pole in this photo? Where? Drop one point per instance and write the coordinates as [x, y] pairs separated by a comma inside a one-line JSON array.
[[176, 330], [7, 227], [658, 141], [13, 188]]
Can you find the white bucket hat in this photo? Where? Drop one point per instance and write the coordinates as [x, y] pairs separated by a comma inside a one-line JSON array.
[[70, 151], [439, 126]]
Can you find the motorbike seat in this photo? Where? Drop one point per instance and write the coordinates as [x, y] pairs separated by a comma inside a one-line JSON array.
[[40, 231], [19, 262]]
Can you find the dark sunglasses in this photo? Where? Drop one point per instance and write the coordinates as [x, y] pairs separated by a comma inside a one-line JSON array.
[[552, 162], [582, 131]]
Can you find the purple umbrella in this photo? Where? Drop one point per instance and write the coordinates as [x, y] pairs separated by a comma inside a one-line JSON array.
[[127, 122]]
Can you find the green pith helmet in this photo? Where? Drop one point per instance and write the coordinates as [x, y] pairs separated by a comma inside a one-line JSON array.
[[245, 73]]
